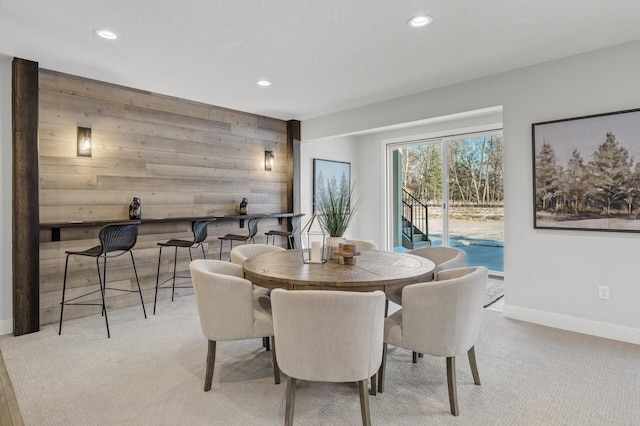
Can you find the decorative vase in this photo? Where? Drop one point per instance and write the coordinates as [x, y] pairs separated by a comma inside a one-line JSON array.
[[135, 209], [334, 245], [243, 206]]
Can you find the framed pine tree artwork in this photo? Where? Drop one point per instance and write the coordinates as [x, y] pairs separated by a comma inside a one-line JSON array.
[[586, 172]]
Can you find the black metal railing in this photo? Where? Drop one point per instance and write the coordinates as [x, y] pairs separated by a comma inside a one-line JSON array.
[[414, 217]]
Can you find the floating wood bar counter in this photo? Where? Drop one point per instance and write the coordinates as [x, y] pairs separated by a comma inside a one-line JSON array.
[[58, 237], [57, 226]]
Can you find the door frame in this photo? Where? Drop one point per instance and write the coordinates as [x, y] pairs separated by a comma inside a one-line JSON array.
[[390, 144]]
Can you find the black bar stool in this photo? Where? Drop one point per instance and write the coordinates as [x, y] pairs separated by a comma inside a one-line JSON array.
[[253, 230], [289, 235], [277, 233], [116, 239], [199, 228]]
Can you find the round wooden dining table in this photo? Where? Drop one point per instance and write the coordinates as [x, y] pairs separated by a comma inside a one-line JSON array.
[[374, 270]]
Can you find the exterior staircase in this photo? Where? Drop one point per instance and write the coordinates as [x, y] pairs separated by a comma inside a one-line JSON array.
[[415, 224]]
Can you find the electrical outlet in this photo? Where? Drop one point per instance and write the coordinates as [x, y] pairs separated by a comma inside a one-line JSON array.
[[603, 292]]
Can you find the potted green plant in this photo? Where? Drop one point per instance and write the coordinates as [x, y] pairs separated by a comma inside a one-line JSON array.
[[337, 206]]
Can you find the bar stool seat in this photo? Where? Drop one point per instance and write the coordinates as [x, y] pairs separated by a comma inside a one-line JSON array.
[[253, 230], [276, 233], [116, 239], [289, 235], [199, 228]]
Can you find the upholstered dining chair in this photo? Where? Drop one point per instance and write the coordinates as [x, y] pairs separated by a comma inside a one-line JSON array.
[[440, 318], [228, 309], [199, 229], [116, 239], [328, 336], [363, 244], [241, 253], [250, 236], [443, 257]]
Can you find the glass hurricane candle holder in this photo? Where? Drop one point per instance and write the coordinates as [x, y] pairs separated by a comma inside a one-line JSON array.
[[312, 238]]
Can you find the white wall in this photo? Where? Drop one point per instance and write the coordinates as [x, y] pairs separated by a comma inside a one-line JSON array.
[[6, 298], [336, 149], [551, 276]]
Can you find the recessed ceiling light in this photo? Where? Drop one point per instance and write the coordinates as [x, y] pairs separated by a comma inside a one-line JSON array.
[[420, 21], [106, 34], [263, 83]]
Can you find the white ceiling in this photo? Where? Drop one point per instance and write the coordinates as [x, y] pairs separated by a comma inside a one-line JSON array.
[[322, 56]]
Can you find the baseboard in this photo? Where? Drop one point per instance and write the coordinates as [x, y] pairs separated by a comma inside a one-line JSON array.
[[6, 327], [578, 325]]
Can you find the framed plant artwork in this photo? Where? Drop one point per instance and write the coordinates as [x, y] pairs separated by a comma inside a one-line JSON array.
[[329, 175], [586, 172]]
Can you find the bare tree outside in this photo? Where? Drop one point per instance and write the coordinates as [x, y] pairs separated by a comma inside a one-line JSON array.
[[476, 190]]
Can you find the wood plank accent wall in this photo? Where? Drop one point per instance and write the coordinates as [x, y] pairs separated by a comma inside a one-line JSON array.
[[181, 158]]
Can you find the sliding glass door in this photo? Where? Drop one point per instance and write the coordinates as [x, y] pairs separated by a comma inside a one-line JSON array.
[[449, 192]]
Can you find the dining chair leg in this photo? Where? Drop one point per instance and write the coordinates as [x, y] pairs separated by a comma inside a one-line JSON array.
[[474, 367], [265, 343], [382, 369], [415, 357], [364, 402], [374, 385], [211, 360], [276, 369], [451, 383], [291, 401], [220, 257]]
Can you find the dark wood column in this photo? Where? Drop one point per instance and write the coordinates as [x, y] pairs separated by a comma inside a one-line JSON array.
[[26, 254], [293, 171]]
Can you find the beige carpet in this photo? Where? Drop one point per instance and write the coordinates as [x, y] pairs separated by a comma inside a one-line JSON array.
[[151, 372], [495, 291]]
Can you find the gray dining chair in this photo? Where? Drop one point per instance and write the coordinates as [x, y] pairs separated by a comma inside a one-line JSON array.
[[241, 253], [440, 318], [328, 336], [443, 257], [228, 309], [363, 244]]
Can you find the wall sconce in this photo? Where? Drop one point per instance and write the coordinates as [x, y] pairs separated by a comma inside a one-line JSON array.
[[84, 142], [268, 160]]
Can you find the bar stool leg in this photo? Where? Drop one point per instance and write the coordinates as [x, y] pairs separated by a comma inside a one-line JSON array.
[[103, 291], [221, 249], [100, 281], [155, 299], [64, 287], [135, 271], [175, 261]]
